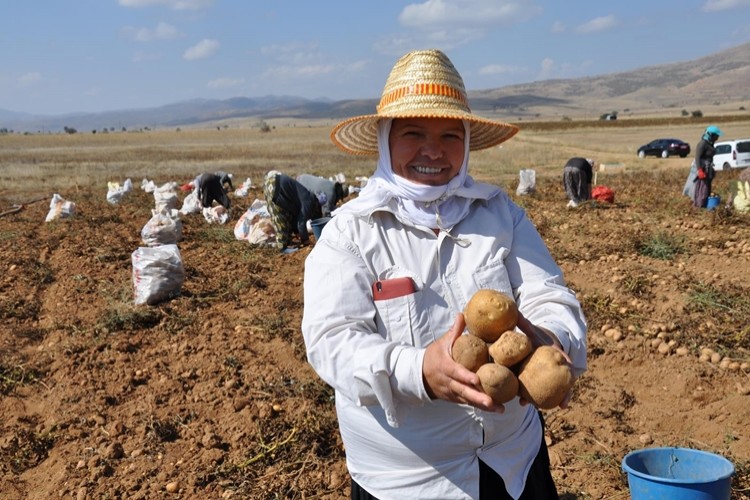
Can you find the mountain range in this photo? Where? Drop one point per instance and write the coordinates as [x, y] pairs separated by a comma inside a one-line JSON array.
[[715, 84]]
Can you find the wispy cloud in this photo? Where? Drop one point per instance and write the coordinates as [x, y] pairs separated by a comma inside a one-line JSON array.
[[499, 69], [452, 23], [29, 79], [558, 27], [172, 4], [467, 13], [203, 49], [717, 5], [551, 69], [225, 83], [162, 31], [141, 56], [597, 24]]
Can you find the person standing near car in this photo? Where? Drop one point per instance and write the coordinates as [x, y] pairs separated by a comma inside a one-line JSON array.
[[577, 175], [704, 162]]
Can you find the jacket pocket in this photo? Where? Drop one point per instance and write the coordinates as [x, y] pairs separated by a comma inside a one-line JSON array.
[[404, 319], [493, 275]]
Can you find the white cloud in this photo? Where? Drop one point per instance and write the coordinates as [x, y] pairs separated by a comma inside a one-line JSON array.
[[558, 27], [467, 13], [172, 4], [162, 31], [225, 83], [203, 49], [597, 24], [311, 71], [29, 79], [286, 72], [397, 45], [498, 69], [716, 5], [548, 68]]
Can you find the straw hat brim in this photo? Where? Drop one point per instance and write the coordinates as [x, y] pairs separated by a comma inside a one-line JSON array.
[[359, 135]]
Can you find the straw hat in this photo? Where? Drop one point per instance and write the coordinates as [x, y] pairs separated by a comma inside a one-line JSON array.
[[423, 84]]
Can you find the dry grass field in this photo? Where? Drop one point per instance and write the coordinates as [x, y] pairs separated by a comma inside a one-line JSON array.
[[208, 394]]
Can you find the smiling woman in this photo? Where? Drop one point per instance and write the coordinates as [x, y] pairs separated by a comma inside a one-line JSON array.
[[423, 219]]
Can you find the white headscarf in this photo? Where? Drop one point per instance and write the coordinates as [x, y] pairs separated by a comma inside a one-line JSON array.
[[431, 206]]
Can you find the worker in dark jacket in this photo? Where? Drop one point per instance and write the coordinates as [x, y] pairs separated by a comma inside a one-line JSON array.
[[328, 192], [225, 179], [577, 176], [210, 189], [291, 205]]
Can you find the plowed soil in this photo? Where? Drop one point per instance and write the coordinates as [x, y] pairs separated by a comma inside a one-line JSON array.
[[208, 394]]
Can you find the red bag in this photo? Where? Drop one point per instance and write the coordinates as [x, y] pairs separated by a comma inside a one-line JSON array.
[[701, 173], [603, 193]]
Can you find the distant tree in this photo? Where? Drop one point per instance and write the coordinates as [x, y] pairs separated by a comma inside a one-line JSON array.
[[684, 112], [742, 108], [124, 129], [93, 131], [697, 113], [264, 127], [4, 131], [69, 130]]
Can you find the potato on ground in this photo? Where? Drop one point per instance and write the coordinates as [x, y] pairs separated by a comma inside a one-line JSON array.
[[470, 351], [498, 382], [511, 348], [489, 313], [545, 377]]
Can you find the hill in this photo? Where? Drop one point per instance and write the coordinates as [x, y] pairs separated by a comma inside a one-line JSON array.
[[716, 84]]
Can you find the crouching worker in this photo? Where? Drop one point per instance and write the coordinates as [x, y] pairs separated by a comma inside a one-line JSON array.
[[210, 189], [328, 192], [291, 205], [577, 176]]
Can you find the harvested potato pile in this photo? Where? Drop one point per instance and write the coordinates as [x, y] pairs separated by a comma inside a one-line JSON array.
[[504, 359]]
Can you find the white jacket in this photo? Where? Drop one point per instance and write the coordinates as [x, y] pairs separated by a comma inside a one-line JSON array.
[[400, 443]]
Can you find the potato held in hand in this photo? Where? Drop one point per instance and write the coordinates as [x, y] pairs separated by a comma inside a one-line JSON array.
[[511, 348], [545, 378], [489, 313], [470, 351], [498, 382]]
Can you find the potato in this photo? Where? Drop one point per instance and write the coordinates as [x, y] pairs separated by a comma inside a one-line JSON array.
[[470, 351], [489, 313], [545, 378], [498, 382], [510, 349]]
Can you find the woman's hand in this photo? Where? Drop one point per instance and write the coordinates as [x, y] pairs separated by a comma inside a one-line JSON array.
[[445, 379], [540, 336]]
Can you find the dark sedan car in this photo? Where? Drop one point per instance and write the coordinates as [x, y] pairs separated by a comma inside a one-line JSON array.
[[664, 148]]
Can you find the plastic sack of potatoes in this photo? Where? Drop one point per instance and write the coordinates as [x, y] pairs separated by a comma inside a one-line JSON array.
[[164, 228], [158, 273]]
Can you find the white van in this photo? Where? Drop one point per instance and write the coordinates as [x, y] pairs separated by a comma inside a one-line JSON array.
[[732, 154]]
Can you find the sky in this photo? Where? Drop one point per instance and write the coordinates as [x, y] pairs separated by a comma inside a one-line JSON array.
[[85, 56]]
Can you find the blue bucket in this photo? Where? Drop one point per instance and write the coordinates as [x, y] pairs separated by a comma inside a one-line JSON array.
[[678, 473], [712, 202], [318, 225]]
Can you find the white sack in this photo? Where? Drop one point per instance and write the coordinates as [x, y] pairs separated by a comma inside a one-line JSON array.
[[158, 273]]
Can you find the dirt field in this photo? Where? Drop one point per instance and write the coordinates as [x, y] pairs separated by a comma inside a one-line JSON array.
[[208, 395]]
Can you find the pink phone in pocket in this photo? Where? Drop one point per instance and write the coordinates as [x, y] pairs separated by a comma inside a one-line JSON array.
[[392, 288]]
